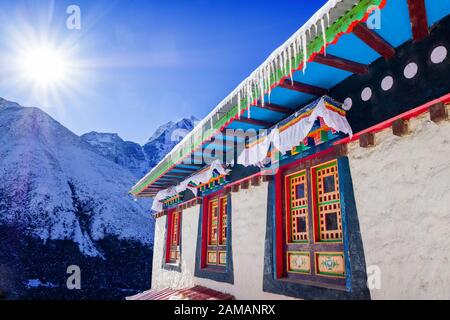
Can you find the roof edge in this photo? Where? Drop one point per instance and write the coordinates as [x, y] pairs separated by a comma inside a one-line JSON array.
[[231, 107]]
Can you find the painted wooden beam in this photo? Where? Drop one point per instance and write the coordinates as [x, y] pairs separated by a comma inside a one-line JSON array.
[[341, 63], [367, 140], [373, 40], [245, 185], [256, 181], [176, 174], [195, 166], [256, 122], [275, 108], [235, 188], [438, 112], [303, 87], [341, 150], [400, 127], [418, 18], [151, 190]]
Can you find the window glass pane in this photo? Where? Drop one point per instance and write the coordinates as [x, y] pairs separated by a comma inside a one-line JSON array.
[[301, 224], [331, 221], [328, 183], [300, 191]]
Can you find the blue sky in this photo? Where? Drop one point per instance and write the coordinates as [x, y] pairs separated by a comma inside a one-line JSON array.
[[142, 63]]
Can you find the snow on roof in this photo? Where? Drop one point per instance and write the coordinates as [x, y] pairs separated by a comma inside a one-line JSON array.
[[321, 29]]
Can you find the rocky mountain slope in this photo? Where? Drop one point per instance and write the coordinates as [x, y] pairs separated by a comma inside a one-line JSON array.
[[140, 159], [56, 185], [64, 201]]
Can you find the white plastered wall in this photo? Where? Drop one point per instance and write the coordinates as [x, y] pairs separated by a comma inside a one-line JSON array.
[[402, 191]]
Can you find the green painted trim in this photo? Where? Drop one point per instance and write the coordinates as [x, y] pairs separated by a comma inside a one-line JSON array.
[[301, 207], [340, 26], [329, 202]]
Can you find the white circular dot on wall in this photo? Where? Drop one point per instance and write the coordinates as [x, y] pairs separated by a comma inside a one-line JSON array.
[[387, 83], [366, 94], [348, 102], [438, 54], [410, 70]]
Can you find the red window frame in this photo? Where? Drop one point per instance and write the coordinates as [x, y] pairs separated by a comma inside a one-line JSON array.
[[214, 231], [302, 255], [173, 253]]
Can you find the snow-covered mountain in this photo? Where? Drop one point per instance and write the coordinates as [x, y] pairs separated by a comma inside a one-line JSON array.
[[58, 187], [125, 153], [166, 138], [64, 201], [140, 159]]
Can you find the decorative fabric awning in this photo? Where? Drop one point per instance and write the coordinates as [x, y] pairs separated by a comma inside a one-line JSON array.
[[290, 132], [190, 183], [195, 293]]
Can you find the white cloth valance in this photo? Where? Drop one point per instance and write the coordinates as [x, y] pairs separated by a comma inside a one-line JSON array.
[[291, 137], [199, 178]]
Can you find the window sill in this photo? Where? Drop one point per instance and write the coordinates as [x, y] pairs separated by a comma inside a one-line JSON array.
[[313, 284], [217, 269], [172, 266]]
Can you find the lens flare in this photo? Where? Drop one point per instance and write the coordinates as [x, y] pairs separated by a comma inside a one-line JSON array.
[[44, 65]]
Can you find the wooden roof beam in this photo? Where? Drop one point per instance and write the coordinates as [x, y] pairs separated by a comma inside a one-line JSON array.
[[373, 40], [304, 88], [418, 18], [255, 122], [275, 108], [341, 63], [177, 174]]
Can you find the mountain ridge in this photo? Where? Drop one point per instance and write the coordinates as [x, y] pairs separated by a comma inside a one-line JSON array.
[[55, 185], [139, 159]]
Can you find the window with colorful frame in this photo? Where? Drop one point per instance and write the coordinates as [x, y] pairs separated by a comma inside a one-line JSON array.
[[216, 223], [312, 225], [173, 252], [313, 243], [214, 258]]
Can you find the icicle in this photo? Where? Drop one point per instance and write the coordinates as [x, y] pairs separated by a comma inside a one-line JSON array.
[[290, 66], [305, 53], [285, 62], [322, 24], [266, 72], [239, 104], [270, 75], [328, 19], [280, 65], [261, 85], [295, 52], [248, 99]]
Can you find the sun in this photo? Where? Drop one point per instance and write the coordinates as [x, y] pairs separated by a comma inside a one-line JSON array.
[[44, 65]]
